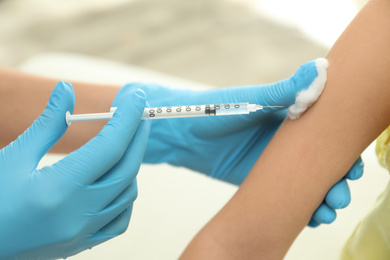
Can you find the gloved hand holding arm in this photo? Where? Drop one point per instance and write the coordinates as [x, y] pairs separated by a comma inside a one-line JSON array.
[[307, 156], [80, 201], [227, 147]]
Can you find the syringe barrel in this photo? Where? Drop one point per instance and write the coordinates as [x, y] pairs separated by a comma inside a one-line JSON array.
[[195, 111]]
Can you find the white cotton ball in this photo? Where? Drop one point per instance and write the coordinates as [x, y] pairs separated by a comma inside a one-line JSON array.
[[309, 96]]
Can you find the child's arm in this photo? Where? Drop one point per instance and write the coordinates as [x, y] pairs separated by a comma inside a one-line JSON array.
[[307, 156], [23, 98]]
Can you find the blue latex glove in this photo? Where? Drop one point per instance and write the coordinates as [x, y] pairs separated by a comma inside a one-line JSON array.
[[80, 201], [338, 197], [226, 147]]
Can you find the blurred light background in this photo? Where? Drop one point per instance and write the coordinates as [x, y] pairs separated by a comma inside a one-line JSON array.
[[218, 42]]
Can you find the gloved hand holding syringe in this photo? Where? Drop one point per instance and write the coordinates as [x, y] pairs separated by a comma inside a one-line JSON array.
[[178, 111]]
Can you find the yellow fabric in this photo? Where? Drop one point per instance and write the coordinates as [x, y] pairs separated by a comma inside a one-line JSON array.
[[382, 149], [371, 238]]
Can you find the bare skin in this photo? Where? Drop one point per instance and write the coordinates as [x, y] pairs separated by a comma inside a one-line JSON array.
[[32, 92]]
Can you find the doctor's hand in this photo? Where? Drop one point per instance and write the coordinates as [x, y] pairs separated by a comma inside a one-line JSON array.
[[80, 201], [227, 147]]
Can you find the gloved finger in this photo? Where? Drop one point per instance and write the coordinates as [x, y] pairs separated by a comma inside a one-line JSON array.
[[101, 153], [281, 93], [284, 93], [339, 196], [313, 223], [324, 214], [108, 214], [118, 225], [123, 173], [356, 170], [154, 91], [123, 90], [113, 229], [37, 140]]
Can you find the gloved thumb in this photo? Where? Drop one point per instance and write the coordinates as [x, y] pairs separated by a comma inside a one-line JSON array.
[[46, 130], [283, 93]]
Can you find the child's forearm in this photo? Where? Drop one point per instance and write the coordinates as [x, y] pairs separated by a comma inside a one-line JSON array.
[[23, 97], [307, 156]]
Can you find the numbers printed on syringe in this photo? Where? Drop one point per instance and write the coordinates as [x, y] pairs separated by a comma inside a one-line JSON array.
[[194, 110]]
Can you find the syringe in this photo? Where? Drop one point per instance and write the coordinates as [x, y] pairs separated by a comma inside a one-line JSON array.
[[177, 112]]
